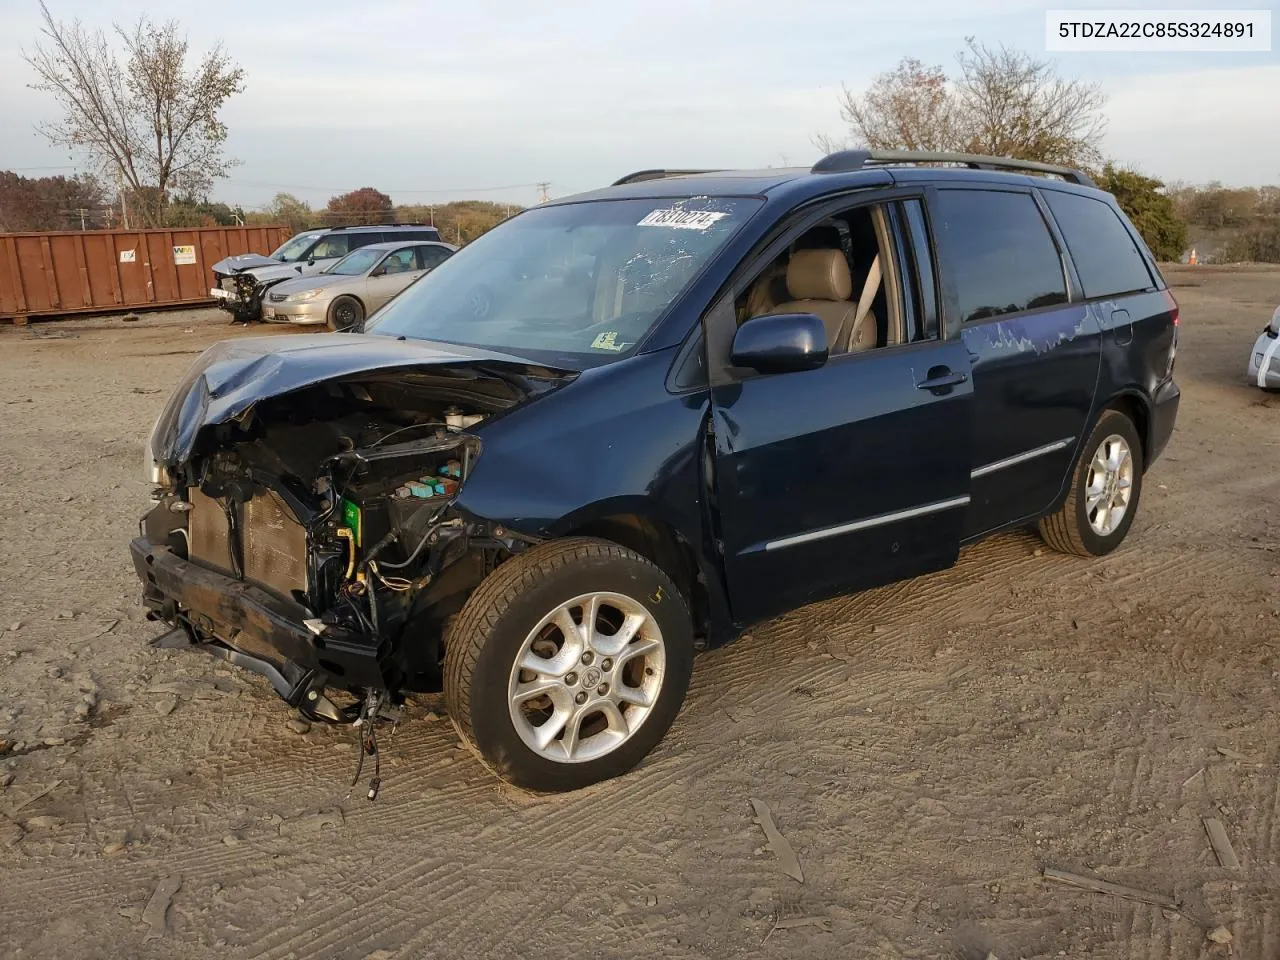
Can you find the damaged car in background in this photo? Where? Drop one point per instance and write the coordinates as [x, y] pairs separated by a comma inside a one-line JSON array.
[[1264, 358], [625, 426], [241, 282]]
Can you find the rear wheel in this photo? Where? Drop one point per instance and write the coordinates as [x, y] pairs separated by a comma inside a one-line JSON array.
[[1105, 487], [345, 313], [568, 664]]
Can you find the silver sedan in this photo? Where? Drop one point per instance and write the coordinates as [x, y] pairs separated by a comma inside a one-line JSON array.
[[348, 291], [1264, 358]]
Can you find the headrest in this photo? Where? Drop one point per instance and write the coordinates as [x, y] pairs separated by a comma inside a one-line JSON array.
[[819, 275]]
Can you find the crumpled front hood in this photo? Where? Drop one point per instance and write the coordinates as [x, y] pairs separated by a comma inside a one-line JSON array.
[[244, 261], [230, 377]]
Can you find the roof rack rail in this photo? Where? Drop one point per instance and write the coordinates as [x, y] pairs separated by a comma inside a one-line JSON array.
[[641, 175], [848, 160], [367, 226]]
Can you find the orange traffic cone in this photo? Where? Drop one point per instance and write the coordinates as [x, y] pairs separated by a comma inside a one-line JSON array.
[[1192, 259]]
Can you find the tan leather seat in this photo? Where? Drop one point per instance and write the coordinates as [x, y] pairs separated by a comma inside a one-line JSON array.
[[819, 283]]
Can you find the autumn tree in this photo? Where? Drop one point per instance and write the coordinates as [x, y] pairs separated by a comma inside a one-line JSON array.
[[365, 205], [907, 108], [289, 210], [1001, 101], [459, 221], [50, 203], [143, 113]]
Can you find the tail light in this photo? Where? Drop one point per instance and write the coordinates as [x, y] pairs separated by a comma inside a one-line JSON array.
[[1173, 341]]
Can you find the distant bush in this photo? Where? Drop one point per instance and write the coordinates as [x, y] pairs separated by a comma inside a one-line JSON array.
[[1232, 224], [460, 221], [1259, 244]]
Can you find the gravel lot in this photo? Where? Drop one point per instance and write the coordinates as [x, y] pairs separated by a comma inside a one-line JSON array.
[[926, 749]]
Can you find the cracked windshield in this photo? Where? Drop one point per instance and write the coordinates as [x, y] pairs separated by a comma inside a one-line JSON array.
[[582, 282]]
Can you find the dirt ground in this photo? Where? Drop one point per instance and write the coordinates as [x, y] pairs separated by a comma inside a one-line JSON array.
[[927, 749]]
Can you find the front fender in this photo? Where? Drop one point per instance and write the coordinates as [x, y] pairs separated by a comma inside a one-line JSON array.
[[612, 443]]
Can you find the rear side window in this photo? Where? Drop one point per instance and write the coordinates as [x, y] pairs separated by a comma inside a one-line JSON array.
[[431, 257], [1107, 259], [999, 251], [419, 235], [363, 238]]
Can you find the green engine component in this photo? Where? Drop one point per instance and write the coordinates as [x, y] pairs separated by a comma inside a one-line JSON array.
[[351, 518]]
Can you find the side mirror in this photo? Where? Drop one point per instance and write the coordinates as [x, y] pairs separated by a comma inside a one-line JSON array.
[[780, 343], [311, 262], [379, 270]]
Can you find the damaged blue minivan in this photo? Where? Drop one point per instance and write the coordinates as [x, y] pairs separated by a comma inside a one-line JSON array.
[[623, 426]]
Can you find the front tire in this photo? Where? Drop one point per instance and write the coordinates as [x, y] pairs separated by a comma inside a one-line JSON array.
[[345, 313], [1105, 487], [568, 664]]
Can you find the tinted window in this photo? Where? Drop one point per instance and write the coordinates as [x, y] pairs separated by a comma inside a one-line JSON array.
[[419, 235], [431, 257], [1000, 252], [366, 237], [1107, 259]]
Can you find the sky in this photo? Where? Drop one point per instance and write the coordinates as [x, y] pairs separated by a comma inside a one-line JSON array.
[[484, 99]]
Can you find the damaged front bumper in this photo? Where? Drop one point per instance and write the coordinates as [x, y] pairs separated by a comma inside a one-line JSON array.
[[306, 521], [253, 628], [240, 294]]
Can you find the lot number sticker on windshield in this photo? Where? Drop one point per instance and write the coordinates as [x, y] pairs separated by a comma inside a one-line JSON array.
[[682, 219], [608, 341]]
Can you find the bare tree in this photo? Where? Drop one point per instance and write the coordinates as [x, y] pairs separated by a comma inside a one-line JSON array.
[[147, 120], [1003, 102], [1012, 105], [910, 107]]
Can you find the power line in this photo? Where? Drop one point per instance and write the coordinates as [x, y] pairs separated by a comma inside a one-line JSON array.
[[298, 186]]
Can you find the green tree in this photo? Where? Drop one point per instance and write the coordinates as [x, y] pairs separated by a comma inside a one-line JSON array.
[[288, 209], [1152, 210]]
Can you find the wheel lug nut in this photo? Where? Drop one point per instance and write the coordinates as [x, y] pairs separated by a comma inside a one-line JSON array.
[[588, 657], [603, 689], [571, 678], [581, 698], [606, 664]]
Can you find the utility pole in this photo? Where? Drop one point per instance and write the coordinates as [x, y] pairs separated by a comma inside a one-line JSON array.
[[82, 211], [544, 191]]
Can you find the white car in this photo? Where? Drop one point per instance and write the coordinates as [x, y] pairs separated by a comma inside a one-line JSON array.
[[1264, 359]]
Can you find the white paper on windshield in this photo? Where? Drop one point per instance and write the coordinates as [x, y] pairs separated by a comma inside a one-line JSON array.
[[681, 219]]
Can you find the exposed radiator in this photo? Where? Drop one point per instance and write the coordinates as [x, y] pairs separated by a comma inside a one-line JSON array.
[[208, 535], [275, 545], [273, 542]]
